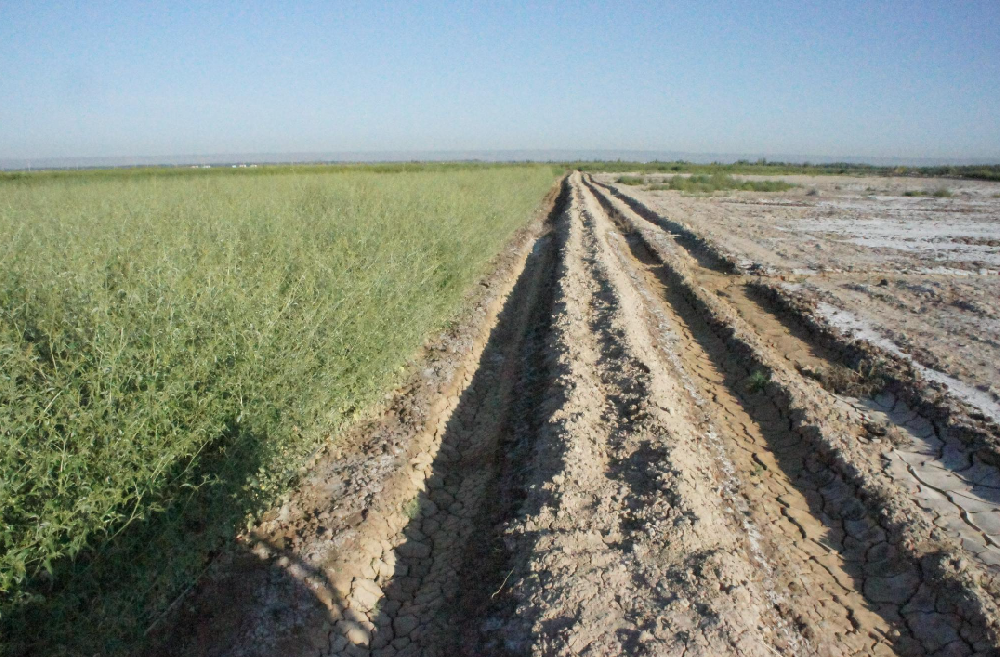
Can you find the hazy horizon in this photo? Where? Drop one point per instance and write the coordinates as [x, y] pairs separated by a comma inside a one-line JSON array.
[[520, 155], [906, 81]]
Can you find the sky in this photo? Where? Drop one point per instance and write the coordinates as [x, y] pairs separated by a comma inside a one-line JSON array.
[[915, 79]]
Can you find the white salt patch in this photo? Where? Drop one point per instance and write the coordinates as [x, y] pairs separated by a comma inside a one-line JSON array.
[[862, 330]]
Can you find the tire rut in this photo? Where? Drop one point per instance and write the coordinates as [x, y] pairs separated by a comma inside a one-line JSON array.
[[865, 572], [631, 458], [624, 546], [948, 478], [439, 577]]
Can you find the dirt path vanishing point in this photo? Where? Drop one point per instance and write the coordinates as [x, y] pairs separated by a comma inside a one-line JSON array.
[[618, 453]]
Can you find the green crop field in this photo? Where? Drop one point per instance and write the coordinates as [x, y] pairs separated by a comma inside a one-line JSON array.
[[173, 346]]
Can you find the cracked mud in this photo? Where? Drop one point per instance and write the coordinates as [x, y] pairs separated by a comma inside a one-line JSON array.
[[622, 450]]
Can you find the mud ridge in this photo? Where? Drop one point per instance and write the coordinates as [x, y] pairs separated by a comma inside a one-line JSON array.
[[624, 448], [624, 545], [890, 372], [809, 416], [938, 452], [896, 374]]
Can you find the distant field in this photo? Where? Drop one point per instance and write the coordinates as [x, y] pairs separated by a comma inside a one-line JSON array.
[[172, 346], [988, 172]]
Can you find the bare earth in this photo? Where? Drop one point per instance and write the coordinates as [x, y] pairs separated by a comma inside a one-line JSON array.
[[923, 271], [662, 429]]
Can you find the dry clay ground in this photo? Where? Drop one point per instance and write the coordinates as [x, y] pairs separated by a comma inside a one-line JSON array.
[[629, 447]]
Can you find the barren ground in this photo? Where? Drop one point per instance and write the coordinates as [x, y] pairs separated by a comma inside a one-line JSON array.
[[654, 434]]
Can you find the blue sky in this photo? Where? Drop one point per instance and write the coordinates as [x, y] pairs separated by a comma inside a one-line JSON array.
[[894, 79]]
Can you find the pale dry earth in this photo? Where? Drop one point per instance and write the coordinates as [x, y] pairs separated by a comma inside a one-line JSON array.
[[627, 447], [922, 270]]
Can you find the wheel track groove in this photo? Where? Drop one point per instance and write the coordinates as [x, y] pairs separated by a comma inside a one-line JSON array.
[[969, 609]]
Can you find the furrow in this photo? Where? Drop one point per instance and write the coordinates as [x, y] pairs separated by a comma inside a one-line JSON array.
[[882, 550], [625, 547], [931, 448]]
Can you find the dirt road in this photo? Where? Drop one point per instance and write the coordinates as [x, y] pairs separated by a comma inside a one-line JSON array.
[[622, 450]]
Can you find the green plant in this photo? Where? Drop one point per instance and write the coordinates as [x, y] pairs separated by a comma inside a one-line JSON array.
[[173, 345], [412, 508], [631, 180], [757, 381]]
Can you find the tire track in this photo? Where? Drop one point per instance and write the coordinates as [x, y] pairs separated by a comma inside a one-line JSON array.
[[820, 588], [625, 548], [921, 610], [950, 476], [622, 464]]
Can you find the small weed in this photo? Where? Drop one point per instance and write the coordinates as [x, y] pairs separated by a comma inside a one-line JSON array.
[[813, 192], [757, 381], [886, 431], [839, 379], [895, 436], [941, 192], [412, 508], [631, 180]]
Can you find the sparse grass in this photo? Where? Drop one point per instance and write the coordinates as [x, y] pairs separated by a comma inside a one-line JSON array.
[[941, 192], [839, 379], [757, 381], [172, 347], [707, 184]]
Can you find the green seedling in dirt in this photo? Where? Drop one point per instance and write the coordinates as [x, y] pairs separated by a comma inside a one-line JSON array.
[[412, 508], [757, 381]]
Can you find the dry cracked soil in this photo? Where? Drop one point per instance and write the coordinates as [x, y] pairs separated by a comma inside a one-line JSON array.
[[631, 445]]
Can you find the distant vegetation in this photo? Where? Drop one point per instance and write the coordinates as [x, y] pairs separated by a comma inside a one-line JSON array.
[[989, 172], [174, 344], [941, 192], [267, 170], [706, 184]]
